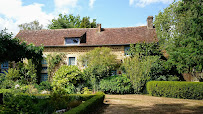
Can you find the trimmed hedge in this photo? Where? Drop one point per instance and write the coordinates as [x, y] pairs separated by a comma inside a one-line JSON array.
[[38, 103], [175, 89], [89, 105]]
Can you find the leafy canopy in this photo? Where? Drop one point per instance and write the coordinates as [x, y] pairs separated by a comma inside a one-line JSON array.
[[31, 26], [179, 29], [12, 49], [70, 21], [98, 62]]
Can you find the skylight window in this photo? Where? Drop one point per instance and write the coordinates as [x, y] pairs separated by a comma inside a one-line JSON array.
[[69, 41]]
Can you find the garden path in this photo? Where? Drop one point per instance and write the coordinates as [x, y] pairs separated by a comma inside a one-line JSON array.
[[139, 104]]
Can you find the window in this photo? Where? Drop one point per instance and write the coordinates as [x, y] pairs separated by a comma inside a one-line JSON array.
[[44, 68], [4, 65], [72, 41], [126, 50], [44, 77], [44, 61], [71, 61]]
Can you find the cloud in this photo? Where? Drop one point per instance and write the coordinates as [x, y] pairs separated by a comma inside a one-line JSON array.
[[143, 3], [16, 13], [64, 6], [91, 3], [140, 24]]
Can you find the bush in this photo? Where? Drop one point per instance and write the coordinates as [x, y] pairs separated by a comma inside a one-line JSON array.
[[45, 85], [66, 78], [89, 105], [38, 103], [185, 90], [116, 85]]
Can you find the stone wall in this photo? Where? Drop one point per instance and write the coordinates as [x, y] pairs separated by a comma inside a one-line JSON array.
[[78, 51]]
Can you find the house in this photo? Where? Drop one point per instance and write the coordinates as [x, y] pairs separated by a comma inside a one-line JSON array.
[[77, 41]]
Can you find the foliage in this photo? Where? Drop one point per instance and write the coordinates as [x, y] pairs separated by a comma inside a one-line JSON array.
[[28, 72], [88, 106], [70, 21], [86, 90], [147, 63], [138, 71], [18, 48], [99, 62], [116, 85], [185, 90], [10, 78], [22, 74], [31, 26], [66, 78], [53, 61], [85, 23], [45, 85], [179, 29]]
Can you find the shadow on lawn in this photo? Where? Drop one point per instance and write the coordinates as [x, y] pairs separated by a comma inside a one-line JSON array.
[[155, 109]]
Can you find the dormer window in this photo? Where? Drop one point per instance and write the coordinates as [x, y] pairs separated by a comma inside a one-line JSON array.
[[72, 41]]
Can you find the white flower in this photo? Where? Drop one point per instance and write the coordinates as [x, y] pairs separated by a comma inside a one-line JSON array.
[[17, 86]]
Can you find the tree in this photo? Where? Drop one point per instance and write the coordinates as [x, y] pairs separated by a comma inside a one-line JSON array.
[[99, 62], [31, 26], [70, 21], [85, 23], [179, 29], [13, 49]]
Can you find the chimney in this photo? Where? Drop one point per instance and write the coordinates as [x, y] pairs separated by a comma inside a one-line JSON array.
[[150, 22], [98, 27]]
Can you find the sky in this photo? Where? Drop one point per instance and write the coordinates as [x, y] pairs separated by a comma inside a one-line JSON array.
[[110, 13]]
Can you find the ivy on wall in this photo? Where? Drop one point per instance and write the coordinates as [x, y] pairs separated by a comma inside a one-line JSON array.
[[54, 61]]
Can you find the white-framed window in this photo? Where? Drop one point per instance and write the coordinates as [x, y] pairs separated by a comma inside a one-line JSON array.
[[71, 61], [72, 41]]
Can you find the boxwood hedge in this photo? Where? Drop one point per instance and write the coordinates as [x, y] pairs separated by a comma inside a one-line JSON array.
[[89, 105], [175, 89]]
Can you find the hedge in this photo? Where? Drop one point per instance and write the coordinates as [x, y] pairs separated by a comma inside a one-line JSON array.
[[89, 105], [175, 89], [38, 103]]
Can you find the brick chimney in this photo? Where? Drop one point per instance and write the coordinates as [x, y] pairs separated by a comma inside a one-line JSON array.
[[98, 27], [150, 22]]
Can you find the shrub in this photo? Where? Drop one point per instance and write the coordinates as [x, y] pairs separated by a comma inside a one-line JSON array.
[[45, 85], [66, 78], [116, 85], [89, 105], [185, 90]]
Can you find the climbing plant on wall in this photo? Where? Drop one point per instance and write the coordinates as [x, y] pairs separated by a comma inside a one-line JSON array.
[[54, 61]]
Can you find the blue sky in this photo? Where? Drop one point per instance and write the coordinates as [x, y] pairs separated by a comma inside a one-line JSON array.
[[110, 13]]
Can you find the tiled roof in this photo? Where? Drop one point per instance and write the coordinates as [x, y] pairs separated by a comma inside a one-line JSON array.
[[108, 36]]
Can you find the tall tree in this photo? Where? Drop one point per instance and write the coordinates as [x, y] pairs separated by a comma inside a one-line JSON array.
[[179, 29], [99, 62], [70, 21], [85, 23], [31, 26]]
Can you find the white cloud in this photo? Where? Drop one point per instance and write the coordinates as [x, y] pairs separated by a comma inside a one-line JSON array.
[[14, 13], [91, 3], [143, 3], [131, 2], [64, 6], [141, 24]]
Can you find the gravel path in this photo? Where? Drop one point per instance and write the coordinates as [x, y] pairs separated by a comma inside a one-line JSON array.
[[139, 104]]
